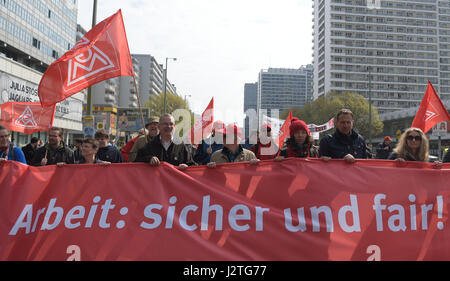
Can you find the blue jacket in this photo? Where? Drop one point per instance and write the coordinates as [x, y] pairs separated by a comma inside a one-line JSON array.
[[338, 145], [201, 157], [109, 153], [18, 155]]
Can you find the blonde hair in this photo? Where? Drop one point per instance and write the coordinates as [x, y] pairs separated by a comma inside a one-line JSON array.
[[402, 147]]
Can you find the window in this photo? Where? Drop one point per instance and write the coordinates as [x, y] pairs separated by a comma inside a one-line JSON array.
[[36, 43]]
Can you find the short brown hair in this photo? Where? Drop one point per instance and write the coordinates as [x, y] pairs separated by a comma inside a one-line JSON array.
[[342, 112], [92, 141], [101, 133], [60, 130]]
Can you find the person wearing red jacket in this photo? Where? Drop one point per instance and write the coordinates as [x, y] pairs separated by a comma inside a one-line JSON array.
[[300, 142], [129, 145]]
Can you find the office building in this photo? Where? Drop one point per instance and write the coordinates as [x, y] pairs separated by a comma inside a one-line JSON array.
[[250, 103], [151, 77], [283, 88], [385, 50], [33, 34]]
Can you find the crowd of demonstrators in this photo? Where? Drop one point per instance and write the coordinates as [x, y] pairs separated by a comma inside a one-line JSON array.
[[89, 148], [106, 151], [53, 152], [30, 149], [384, 149], [300, 142], [344, 143], [142, 141], [232, 150], [265, 147], [210, 145], [155, 144], [7, 150], [412, 146], [162, 147]]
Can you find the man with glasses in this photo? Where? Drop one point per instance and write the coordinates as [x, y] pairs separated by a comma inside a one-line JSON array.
[[55, 152], [7, 150], [162, 148], [344, 143]]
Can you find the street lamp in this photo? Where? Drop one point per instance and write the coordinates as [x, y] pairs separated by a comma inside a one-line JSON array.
[[165, 82]]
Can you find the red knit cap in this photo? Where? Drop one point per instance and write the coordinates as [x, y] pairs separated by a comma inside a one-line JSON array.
[[298, 125]]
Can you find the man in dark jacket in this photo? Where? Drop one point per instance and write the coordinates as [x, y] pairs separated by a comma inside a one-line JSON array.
[[162, 147], [384, 149], [30, 149], [107, 152], [344, 143], [54, 152]]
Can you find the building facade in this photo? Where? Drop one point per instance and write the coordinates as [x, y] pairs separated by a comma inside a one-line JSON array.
[[151, 77], [250, 103], [128, 96], [387, 50], [284, 88], [33, 34]]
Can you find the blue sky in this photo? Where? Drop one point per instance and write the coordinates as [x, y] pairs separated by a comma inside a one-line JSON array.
[[219, 45]]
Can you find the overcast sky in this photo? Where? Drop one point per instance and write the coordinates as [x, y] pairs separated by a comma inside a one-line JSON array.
[[219, 44]]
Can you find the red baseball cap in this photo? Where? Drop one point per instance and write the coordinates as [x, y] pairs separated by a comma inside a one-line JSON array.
[[232, 129]]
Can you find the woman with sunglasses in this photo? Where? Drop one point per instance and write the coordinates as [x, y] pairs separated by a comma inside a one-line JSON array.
[[413, 146]]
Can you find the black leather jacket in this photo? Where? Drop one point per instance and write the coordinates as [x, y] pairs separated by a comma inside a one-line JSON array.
[[338, 145]]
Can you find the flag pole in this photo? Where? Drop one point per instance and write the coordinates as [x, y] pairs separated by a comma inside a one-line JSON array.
[[140, 108], [89, 103]]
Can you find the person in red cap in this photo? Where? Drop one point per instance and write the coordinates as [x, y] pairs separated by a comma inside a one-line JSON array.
[[300, 142], [384, 148], [232, 150], [265, 148], [210, 145]]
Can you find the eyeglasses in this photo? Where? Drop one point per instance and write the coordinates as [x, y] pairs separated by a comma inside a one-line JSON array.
[[416, 138]]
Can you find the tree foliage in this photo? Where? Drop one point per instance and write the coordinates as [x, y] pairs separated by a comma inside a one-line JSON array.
[[173, 102], [326, 107]]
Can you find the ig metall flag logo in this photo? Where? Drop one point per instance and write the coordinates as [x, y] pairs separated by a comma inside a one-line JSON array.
[[374, 4]]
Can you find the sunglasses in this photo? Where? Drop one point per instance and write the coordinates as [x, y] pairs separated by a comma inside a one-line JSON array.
[[416, 138]]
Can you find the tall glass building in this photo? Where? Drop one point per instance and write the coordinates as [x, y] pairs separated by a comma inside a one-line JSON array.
[[34, 33], [284, 88], [387, 49]]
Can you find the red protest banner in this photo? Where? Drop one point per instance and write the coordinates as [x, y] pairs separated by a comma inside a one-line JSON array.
[[26, 117], [299, 209], [284, 131], [431, 111], [102, 53], [203, 126]]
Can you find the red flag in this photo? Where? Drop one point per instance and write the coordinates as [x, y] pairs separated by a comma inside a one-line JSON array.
[[284, 131], [26, 117], [203, 126], [431, 111], [101, 54]]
